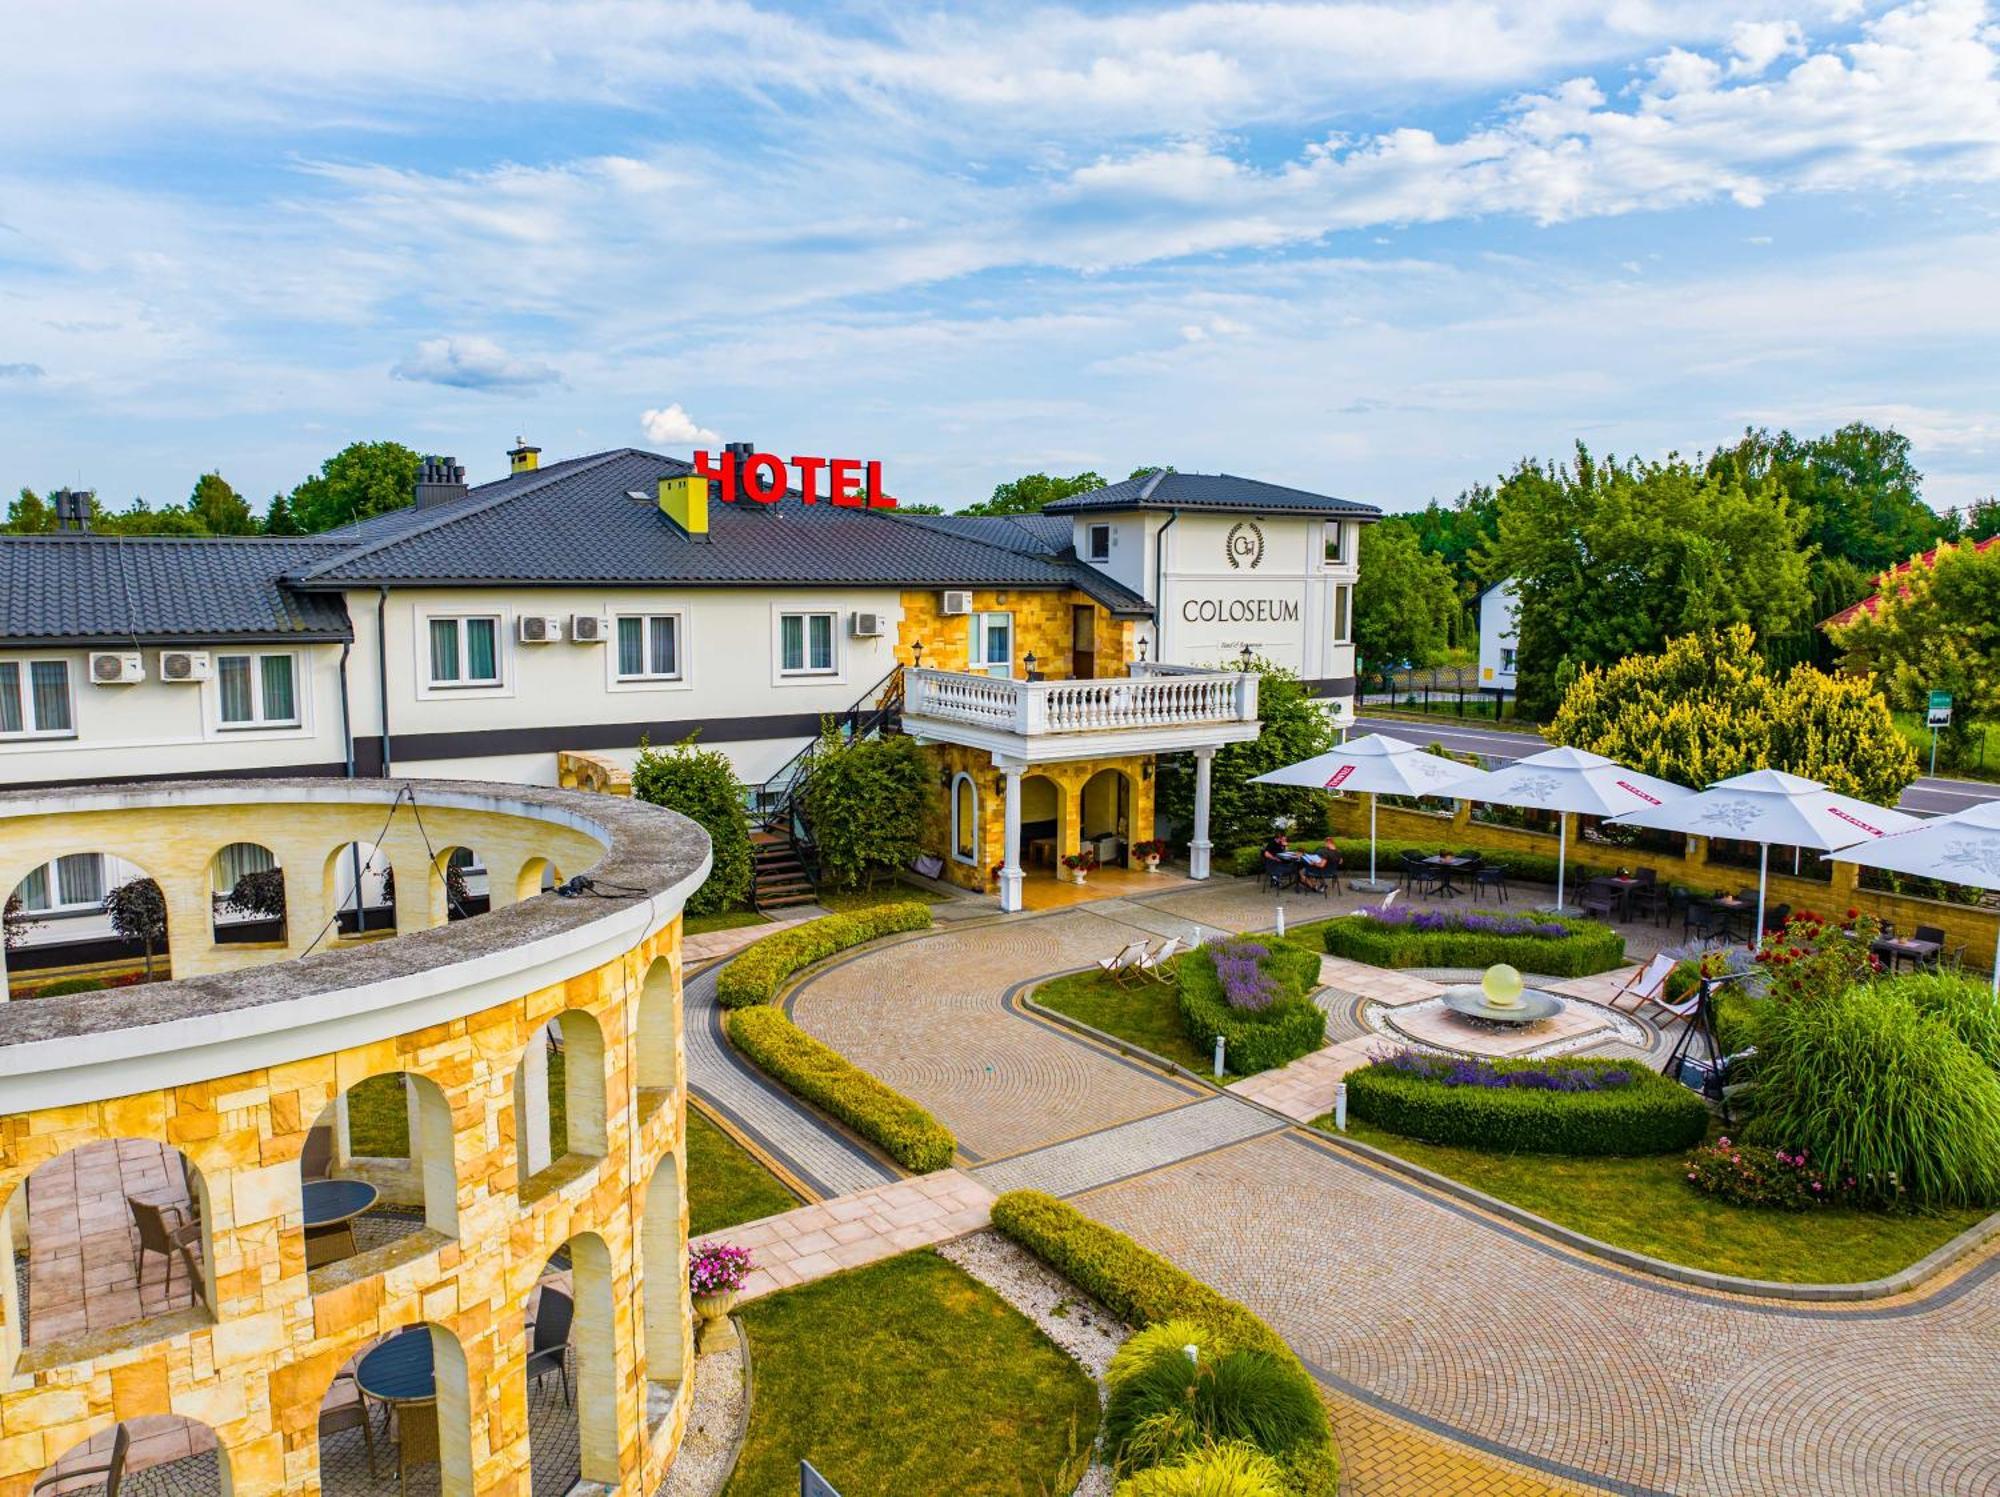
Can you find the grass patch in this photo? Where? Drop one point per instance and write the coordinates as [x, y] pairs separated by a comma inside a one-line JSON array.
[[909, 1376], [846, 901], [1146, 1013], [1646, 1205], [726, 1184], [701, 925]]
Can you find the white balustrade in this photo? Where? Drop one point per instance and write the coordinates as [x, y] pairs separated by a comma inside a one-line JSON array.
[[1157, 699]]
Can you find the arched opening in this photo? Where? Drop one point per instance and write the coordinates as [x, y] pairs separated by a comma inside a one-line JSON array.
[[538, 876], [571, 1369], [1042, 812], [398, 1417], [377, 1171], [559, 1104], [664, 1287], [81, 922], [659, 1059], [965, 819], [1105, 809], [155, 1453], [246, 894], [459, 884], [361, 889], [118, 1237]]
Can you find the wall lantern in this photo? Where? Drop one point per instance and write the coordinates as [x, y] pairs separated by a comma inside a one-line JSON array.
[[917, 656], [1247, 657]]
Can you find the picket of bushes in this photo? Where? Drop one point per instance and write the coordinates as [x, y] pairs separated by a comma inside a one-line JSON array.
[[757, 974], [1142, 1288], [1259, 1039], [1522, 867], [1588, 948]]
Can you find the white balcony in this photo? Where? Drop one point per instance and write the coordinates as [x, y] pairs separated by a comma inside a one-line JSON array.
[[1156, 710]]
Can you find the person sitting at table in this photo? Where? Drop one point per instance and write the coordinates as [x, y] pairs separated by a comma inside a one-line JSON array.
[[1280, 847], [1318, 860]]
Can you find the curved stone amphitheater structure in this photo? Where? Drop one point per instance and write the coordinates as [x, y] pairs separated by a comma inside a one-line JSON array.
[[220, 1086]]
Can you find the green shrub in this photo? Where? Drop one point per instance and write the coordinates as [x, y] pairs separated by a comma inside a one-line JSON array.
[[1739, 1020], [1877, 1091], [1647, 1115], [1255, 1039], [1231, 1470], [1142, 1289], [63, 987], [1170, 1407], [760, 970], [1966, 1006], [1589, 947], [828, 1080], [1141, 1346], [866, 801], [701, 784]]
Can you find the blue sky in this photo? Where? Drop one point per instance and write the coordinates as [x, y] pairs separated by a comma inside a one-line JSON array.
[[1372, 249]]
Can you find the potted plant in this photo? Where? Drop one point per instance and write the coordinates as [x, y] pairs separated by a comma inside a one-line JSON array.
[[1150, 853], [716, 1271], [1080, 863]]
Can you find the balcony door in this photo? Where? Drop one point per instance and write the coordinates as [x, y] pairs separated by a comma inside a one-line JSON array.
[[992, 651], [1083, 642]]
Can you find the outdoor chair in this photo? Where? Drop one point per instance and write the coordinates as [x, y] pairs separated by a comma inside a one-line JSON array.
[[110, 1475], [348, 1412], [1950, 961], [1705, 921], [1117, 967], [316, 1160], [1154, 965], [1774, 919], [1675, 1013], [1599, 901], [165, 1230], [1929, 933], [548, 1339], [1418, 877], [1280, 873], [1647, 984], [1491, 877]]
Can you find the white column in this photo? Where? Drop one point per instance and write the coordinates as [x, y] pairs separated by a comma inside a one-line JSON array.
[[1200, 847], [1010, 867]]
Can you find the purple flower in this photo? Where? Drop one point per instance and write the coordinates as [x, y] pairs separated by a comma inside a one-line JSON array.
[[718, 1268]]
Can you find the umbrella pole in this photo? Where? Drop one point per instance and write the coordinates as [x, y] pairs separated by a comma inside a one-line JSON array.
[[1763, 876], [1371, 838], [1562, 856]]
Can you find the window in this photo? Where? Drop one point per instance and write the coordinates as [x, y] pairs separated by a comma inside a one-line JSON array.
[[1099, 543], [992, 649], [649, 647], [465, 652], [1507, 661], [34, 699], [805, 644], [1336, 543], [1343, 614], [77, 884], [257, 691], [965, 820]]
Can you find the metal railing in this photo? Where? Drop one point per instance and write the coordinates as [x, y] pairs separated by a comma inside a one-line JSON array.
[[1156, 698]]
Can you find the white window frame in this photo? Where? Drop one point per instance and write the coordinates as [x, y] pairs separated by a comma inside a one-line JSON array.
[[1343, 613], [257, 720], [461, 617], [25, 689], [57, 907], [807, 671], [650, 677], [1090, 536], [1333, 544], [958, 857], [1509, 657], [976, 645]]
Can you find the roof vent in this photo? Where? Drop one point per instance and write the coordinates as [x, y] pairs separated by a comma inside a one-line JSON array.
[[523, 457], [73, 508], [439, 481]]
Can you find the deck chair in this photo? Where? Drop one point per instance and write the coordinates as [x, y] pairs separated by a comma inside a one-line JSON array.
[[1676, 1013], [110, 1475], [1647, 984], [1120, 966], [1155, 964]]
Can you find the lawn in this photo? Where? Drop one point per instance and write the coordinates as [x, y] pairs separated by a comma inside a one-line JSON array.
[[1645, 1204], [698, 925], [905, 1377], [846, 901], [1145, 1012], [726, 1184]]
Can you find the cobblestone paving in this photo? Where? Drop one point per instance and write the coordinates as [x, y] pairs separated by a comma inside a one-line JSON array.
[[1083, 1163], [1585, 1372]]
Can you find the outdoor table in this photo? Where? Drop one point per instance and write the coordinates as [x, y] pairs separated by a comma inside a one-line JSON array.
[[1624, 884], [401, 1374], [1898, 947], [1446, 865], [1731, 907], [331, 1206]]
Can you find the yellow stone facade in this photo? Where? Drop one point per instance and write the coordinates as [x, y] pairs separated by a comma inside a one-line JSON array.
[[1065, 788], [255, 1367], [1044, 625]]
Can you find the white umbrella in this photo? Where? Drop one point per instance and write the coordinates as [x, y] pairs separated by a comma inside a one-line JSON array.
[[1767, 806], [1377, 764], [1569, 779], [1963, 848]]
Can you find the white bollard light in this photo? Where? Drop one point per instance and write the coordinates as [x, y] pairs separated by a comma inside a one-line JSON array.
[[1281, 920], [1218, 1057], [1340, 1106], [1192, 1353]]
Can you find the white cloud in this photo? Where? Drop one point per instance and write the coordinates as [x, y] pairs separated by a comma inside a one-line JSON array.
[[472, 364], [671, 426], [1755, 45]]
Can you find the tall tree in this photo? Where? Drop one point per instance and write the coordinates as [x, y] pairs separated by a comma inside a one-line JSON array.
[[140, 518], [29, 514], [219, 508], [1294, 727], [360, 480], [1612, 559], [1031, 493], [279, 519], [1858, 491], [1403, 603], [701, 784]]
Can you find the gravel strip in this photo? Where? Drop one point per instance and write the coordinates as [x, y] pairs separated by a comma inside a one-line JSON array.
[[1080, 1326], [708, 1450]]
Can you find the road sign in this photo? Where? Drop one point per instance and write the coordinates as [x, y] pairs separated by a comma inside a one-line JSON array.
[[812, 1484], [1938, 714]]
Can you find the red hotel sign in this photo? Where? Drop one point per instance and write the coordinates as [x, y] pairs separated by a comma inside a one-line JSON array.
[[763, 477]]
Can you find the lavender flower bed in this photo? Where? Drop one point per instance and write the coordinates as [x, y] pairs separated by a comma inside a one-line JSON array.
[[1478, 921], [1403, 937], [1453, 1071], [1245, 984]]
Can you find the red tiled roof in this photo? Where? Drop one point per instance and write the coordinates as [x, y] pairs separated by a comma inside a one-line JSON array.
[[1874, 600]]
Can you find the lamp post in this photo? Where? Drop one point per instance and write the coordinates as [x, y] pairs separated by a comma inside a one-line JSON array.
[[1029, 662], [1246, 655]]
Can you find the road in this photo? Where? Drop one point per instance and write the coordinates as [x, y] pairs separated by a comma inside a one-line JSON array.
[[1928, 796]]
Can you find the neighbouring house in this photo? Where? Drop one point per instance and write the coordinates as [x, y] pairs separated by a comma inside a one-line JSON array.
[[1873, 601], [1499, 612]]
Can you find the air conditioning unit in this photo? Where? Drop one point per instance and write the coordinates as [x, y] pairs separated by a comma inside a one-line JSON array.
[[538, 629], [117, 668], [957, 602], [868, 626], [586, 629], [185, 665]]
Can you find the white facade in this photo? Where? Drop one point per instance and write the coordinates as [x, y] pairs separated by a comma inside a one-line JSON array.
[[1499, 611]]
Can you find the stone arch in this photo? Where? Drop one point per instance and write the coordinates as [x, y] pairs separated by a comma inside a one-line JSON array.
[[448, 1431], [593, 1351], [538, 876], [965, 822], [360, 885], [658, 1064], [246, 894], [56, 923], [1045, 814], [663, 1268], [574, 1041], [460, 884], [394, 1130], [1105, 805], [153, 1443]]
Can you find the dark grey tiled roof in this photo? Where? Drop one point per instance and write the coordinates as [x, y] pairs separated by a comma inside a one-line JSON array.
[[1211, 491], [109, 590], [1032, 535], [576, 523]]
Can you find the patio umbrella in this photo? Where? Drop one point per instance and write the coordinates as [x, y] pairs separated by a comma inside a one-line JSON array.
[[1963, 848], [1569, 779], [1376, 764], [1768, 805]]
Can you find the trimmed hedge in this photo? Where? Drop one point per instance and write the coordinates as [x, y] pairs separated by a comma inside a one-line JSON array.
[[1142, 1288], [1254, 1040], [1648, 1115], [828, 1080], [760, 970], [1522, 867], [1590, 947], [64, 987]]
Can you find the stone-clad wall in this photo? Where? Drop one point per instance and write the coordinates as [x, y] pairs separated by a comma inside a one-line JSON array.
[[1043, 625], [1069, 779], [256, 1372]]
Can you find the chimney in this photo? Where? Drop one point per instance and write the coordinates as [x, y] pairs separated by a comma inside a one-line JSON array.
[[522, 458], [73, 508], [685, 502], [439, 481]]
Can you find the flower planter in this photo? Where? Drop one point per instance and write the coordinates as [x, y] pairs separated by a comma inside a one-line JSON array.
[[1152, 864], [712, 1316]]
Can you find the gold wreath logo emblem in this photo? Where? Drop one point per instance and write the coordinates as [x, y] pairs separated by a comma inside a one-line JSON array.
[[1245, 545]]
